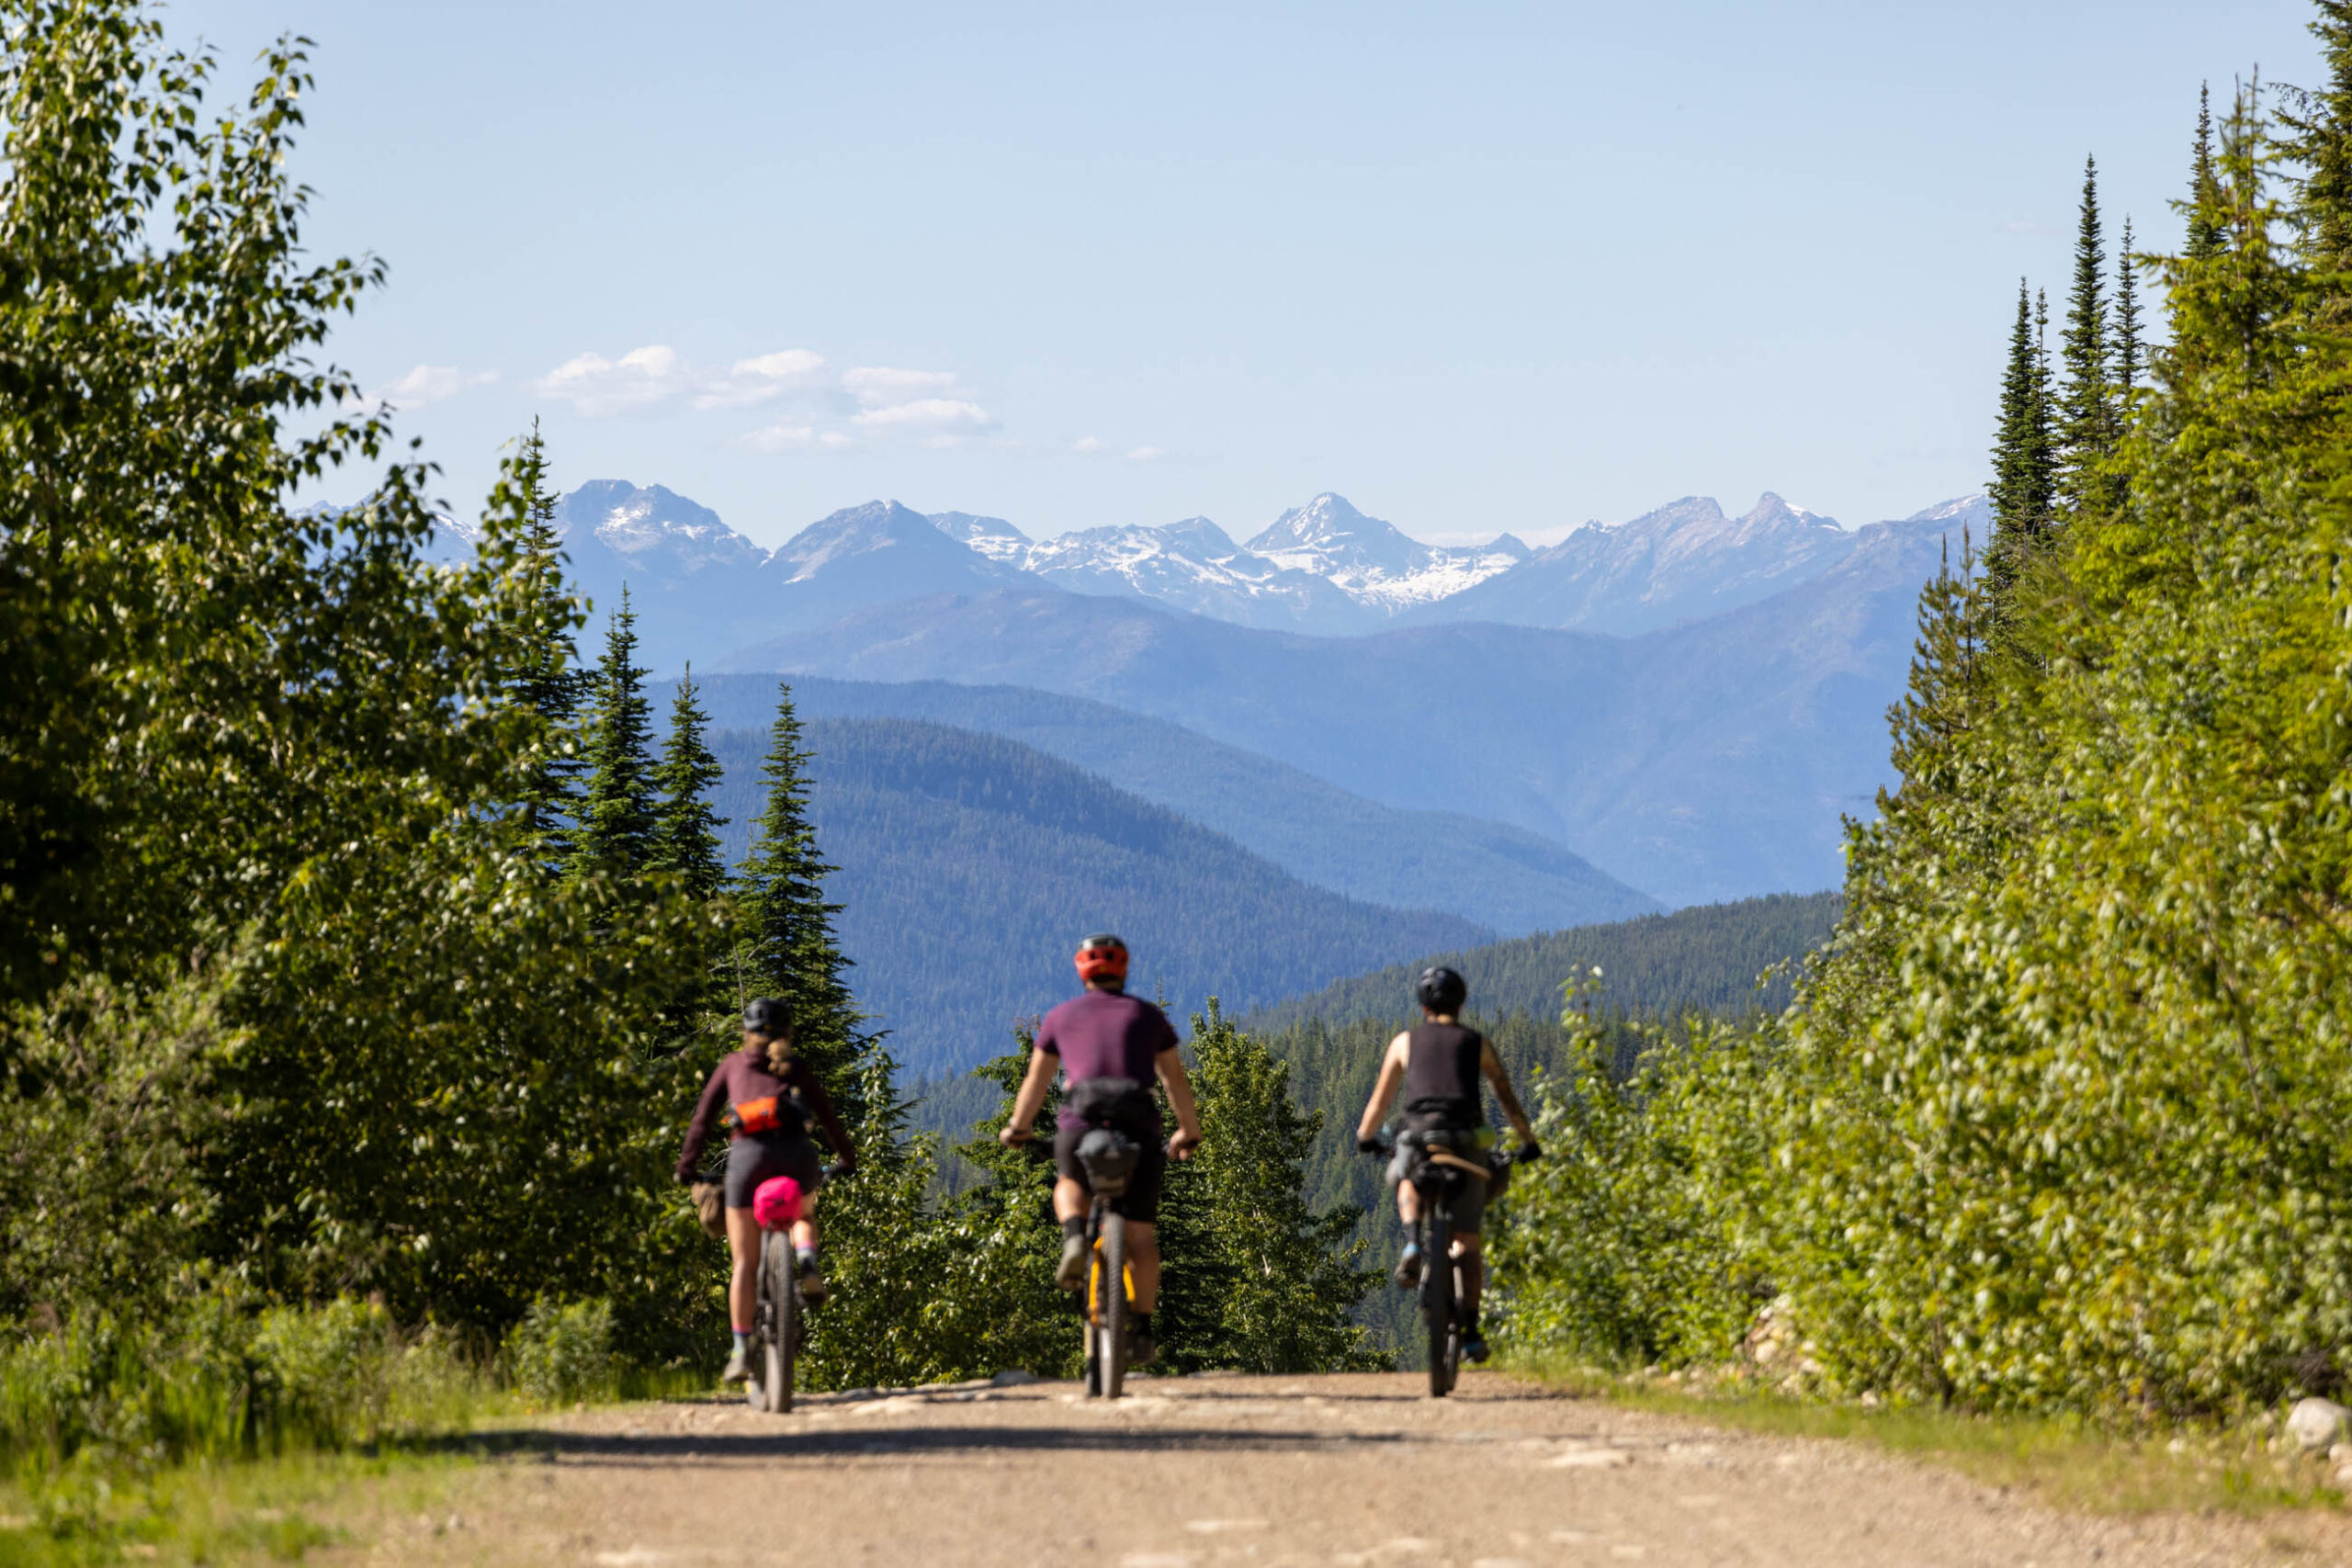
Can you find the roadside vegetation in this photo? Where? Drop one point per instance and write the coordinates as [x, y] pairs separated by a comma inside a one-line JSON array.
[[2054, 1126], [363, 947]]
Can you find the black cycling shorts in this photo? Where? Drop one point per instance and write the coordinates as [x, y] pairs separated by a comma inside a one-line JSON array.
[[754, 1157], [1140, 1202]]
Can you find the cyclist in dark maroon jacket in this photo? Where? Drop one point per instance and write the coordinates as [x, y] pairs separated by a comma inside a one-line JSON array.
[[1117, 1044], [763, 1096]]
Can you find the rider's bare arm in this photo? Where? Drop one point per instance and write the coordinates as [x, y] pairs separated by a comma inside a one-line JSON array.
[[1035, 1086], [1499, 1076], [1170, 1067], [1392, 1073]]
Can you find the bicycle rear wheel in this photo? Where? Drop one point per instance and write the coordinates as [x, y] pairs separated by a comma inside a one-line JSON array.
[[785, 1348], [1110, 1258], [1437, 1303]]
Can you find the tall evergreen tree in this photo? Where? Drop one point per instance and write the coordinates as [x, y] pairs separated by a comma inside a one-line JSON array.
[[2087, 425], [686, 826], [549, 683], [618, 808], [2130, 353], [2318, 137], [2024, 487], [2204, 190], [788, 948]]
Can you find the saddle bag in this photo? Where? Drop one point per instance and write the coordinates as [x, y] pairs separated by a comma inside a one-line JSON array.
[[1109, 1160]]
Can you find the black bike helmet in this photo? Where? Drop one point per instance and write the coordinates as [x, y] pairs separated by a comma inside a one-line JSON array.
[[765, 1015], [1440, 989]]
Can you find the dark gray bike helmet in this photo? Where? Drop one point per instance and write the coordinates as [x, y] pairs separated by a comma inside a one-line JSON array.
[[765, 1015], [1442, 989]]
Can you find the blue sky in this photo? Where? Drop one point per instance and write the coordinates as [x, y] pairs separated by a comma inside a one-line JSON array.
[[1474, 267]]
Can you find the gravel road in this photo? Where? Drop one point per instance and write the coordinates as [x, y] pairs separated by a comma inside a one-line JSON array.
[[1358, 1472]]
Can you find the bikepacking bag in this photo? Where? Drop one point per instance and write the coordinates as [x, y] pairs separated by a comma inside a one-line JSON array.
[[770, 1114], [1108, 1103]]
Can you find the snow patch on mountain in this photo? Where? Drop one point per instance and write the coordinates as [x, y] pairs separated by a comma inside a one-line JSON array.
[[992, 537], [1374, 562]]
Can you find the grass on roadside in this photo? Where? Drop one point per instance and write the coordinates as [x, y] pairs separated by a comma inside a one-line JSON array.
[[2065, 1461]]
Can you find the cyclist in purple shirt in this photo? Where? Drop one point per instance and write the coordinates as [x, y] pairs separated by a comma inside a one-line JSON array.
[[1110, 1040]]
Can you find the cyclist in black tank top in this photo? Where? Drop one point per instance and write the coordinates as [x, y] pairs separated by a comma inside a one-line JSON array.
[[1439, 1062]]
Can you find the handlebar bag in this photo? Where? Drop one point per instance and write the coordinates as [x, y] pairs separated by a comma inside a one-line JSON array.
[[1108, 1103]]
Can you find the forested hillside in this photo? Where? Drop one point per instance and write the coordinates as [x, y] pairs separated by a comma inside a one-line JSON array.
[[1708, 958], [2059, 1120], [1486, 872], [968, 867]]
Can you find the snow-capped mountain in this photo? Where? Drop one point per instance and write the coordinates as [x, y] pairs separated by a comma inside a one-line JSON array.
[[1374, 562], [1683, 561], [1195, 565], [992, 537]]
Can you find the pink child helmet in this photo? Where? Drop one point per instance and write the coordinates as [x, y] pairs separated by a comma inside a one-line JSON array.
[[776, 1203]]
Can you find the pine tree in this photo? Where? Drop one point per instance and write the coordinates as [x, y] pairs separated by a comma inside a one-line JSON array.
[[1286, 1278], [2087, 422], [2129, 353], [617, 809], [549, 684], [685, 828], [787, 949], [2024, 487], [2204, 190], [2320, 138]]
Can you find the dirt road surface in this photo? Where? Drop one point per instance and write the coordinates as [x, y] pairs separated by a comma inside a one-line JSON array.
[[1359, 1471]]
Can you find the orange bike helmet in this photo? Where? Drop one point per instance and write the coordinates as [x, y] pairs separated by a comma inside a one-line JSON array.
[[1101, 955]]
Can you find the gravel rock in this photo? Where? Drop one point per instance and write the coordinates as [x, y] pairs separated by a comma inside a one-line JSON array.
[[1013, 1377], [2317, 1424]]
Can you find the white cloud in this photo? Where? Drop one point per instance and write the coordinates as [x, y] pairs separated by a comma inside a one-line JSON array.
[[1086, 445], [750, 381], [429, 384], [888, 402], [878, 385], [785, 436], [599, 388], [943, 416], [1146, 454]]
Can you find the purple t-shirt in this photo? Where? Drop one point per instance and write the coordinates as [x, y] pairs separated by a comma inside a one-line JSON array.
[[1104, 1035]]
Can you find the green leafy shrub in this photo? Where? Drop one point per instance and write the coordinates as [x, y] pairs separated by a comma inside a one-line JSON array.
[[562, 1351]]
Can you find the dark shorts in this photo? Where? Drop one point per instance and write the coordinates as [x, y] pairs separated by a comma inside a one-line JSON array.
[[1140, 1203], [760, 1157]]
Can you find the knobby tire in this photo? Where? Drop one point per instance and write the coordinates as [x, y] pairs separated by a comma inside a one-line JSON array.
[[1113, 1304]]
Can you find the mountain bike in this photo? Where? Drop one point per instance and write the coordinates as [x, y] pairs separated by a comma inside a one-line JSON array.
[[1109, 1156], [1449, 1158], [780, 1319]]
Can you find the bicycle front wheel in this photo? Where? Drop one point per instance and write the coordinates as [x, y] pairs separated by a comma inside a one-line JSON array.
[[1110, 1260]]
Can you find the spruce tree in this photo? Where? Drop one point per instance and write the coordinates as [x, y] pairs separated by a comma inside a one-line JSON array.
[[787, 949], [2129, 350], [2204, 190], [686, 827], [549, 685], [618, 808], [2318, 137], [2087, 418], [2024, 487]]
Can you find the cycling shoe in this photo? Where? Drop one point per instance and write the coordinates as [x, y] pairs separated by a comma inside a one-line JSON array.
[[812, 1283], [738, 1367], [1142, 1348], [1474, 1348], [1071, 1275], [1408, 1269]]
